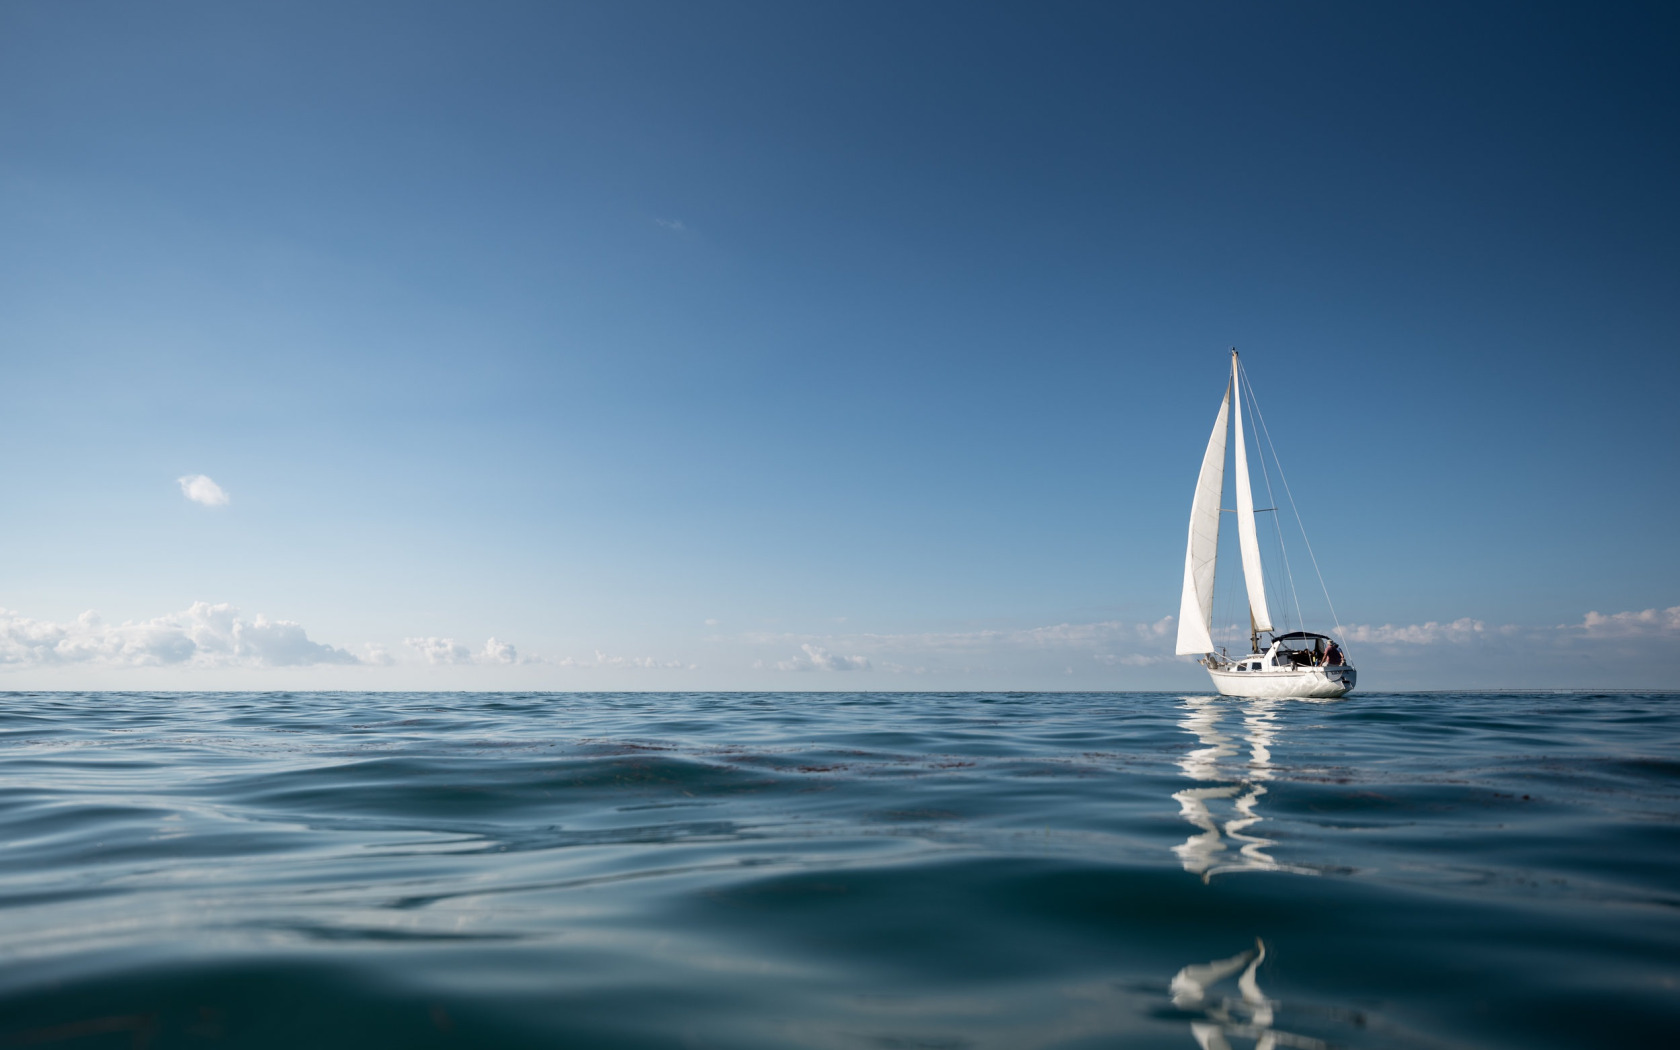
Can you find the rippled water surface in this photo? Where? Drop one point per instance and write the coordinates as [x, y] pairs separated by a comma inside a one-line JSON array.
[[849, 871]]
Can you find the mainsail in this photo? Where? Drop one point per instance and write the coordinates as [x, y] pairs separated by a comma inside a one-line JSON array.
[[1195, 611], [1245, 520]]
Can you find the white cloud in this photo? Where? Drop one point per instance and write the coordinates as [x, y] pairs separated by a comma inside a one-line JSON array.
[[674, 225], [1632, 624], [634, 663], [1130, 659], [204, 635], [1431, 633], [1054, 636], [893, 668], [441, 650], [200, 489], [817, 658], [1106, 641], [1645, 623], [449, 651]]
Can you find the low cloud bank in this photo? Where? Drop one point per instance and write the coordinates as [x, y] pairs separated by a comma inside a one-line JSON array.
[[449, 651], [1633, 624], [204, 635], [1645, 623], [211, 636], [1635, 641], [1108, 642], [1431, 633], [625, 663]]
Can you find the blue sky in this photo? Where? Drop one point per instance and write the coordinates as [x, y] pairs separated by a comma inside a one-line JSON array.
[[782, 346]]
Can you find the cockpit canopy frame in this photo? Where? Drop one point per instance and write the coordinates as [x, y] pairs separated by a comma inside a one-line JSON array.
[[1300, 634]]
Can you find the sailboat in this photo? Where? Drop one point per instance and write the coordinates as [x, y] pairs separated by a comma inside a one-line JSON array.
[[1287, 664]]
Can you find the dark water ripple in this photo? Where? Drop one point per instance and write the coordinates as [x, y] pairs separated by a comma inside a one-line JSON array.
[[848, 871]]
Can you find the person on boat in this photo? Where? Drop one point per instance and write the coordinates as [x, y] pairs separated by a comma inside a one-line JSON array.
[[1333, 655]]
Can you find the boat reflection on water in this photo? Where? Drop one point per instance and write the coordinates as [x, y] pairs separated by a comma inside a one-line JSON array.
[[1226, 840], [1247, 1016], [1224, 811]]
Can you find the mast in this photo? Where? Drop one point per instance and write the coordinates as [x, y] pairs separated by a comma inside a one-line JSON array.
[[1259, 617], [1195, 610]]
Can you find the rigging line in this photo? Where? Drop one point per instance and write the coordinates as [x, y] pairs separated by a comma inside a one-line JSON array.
[[1295, 594], [1254, 407], [1292, 506]]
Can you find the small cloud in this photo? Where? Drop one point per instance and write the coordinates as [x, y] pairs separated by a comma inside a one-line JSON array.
[[711, 623], [441, 650], [817, 658], [498, 652], [200, 489], [377, 655], [674, 225]]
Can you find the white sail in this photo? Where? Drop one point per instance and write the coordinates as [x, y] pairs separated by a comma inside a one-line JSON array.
[[1195, 611], [1249, 541]]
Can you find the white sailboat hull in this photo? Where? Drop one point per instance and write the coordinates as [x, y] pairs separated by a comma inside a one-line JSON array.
[[1305, 682]]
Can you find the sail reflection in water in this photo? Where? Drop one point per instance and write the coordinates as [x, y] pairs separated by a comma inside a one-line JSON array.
[[1248, 1016], [1224, 814], [1224, 811]]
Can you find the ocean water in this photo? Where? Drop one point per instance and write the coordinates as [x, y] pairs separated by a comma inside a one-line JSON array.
[[839, 870]]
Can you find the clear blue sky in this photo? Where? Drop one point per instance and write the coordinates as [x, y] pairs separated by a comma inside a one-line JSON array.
[[826, 346]]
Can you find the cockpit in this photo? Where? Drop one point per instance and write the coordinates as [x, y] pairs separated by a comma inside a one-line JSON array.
[[1303, 649]]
